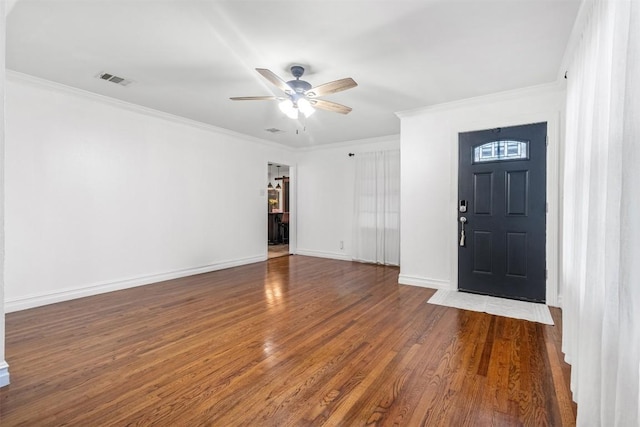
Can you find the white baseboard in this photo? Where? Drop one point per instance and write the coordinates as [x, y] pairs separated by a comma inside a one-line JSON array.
[[4, 374], [32, 301], [424, 282], [321, 254]]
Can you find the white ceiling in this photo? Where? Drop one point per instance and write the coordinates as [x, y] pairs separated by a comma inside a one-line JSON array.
[[187, 57]]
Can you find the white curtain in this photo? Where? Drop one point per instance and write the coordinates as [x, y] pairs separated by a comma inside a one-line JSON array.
[[376, 220], [601, 223]]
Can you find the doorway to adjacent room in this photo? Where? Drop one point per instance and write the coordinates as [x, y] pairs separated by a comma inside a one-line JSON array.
[[278, 210]]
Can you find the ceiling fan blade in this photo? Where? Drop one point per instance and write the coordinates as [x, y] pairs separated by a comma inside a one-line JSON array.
[[330, 106], [254, 98], [275, 80], [331, 87]]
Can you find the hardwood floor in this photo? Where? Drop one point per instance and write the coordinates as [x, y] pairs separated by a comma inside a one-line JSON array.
[[287, 342], [274, 251]]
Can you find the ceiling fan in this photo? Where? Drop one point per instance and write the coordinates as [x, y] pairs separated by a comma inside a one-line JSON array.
[[300, 95]]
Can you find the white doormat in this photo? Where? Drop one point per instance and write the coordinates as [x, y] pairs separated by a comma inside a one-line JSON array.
[[499, 306]]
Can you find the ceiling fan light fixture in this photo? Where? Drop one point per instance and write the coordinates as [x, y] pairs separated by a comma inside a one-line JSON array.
[[305, 107], [289, 109]]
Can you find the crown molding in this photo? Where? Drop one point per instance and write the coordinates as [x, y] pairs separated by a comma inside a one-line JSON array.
[[557, 86], [19, 77], [353, 144]]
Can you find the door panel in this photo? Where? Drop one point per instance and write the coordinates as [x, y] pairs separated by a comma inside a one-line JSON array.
[[517, 254], [517, 192], [482, 193], [502, 179], [482, 251]]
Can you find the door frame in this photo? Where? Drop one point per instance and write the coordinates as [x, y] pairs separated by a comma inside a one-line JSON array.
[[553, 192], [293, 209], [529, 282]]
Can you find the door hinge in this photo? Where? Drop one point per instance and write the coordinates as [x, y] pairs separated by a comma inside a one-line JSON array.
[[546, 274], [546, 207], [546, 141]]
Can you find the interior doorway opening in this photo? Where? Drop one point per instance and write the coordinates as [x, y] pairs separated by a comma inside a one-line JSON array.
[[278, 210]]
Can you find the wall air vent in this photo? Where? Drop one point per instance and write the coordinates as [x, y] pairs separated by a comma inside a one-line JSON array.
[[114, 79], [274, 130]]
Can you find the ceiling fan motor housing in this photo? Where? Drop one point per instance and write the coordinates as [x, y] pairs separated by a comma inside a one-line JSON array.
[[297, 85]]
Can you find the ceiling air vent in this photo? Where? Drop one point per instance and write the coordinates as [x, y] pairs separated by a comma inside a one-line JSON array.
[[114, 79], [274, 130]]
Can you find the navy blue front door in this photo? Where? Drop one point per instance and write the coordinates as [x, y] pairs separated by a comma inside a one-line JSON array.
[[502, 212]]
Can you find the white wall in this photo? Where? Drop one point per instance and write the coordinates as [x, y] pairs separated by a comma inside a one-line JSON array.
[[103, 195], [429, 153], [325, 196], [4, 368]]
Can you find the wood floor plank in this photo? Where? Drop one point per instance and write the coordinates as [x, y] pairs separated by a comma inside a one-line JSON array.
[[294, 341]]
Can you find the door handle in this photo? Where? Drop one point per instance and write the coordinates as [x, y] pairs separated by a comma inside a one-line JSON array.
[[463, 220]]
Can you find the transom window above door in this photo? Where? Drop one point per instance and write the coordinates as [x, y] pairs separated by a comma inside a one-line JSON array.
[[496, 151]]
